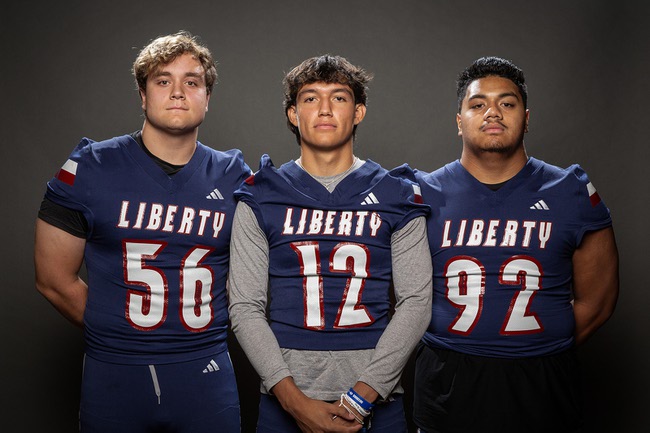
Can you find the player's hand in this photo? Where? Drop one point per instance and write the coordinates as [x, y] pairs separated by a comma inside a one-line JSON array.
[[319, 417], [314, 416]]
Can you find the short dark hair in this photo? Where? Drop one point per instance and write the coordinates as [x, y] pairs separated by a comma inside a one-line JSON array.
[[491, 66], [328, 69]]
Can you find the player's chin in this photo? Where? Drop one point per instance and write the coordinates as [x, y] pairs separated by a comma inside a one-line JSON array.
[[498, 146], [182, 128]]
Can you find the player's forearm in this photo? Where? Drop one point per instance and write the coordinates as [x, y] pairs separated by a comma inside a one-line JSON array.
[[395, 346], [70, 300], [253, 333], [289, 395], [58, 256], [595, 282], [412, 277], [590, 317]]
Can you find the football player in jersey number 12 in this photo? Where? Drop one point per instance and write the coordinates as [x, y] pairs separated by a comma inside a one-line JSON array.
[[327, 234]]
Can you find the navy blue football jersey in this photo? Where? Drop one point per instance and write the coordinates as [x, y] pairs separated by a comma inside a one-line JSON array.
[[330, 253], [157, 248], [502, 260]]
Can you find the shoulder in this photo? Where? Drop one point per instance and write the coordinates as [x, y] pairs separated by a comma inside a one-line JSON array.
[[257, 180], [552, 175], [229, 161], [403, 171], [89, 146], [394, 191], [265, 171], [90, 153], [374, 175], [438, 177], [90, 165]]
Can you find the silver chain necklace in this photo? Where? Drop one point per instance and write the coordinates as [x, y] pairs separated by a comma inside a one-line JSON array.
[[335, 178]]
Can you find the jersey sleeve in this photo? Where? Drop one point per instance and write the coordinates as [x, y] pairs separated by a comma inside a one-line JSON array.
[[253, 186], [72, 182], [237, 164], [68, 220], [591, 210], [410, 195], [248, 279]]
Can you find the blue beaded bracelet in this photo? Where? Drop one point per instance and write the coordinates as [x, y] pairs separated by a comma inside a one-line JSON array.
[[366, 405]]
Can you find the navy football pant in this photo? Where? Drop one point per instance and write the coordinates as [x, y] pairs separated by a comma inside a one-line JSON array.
[[386, 417], [459, 393], [198, 396]]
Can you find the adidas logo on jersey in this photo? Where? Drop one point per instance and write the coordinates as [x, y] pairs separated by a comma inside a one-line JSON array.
[[540, 205], [211, 367], [214, 195], [370, 199]]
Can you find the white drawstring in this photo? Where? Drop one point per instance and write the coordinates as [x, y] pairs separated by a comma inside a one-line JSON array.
[[154, 378]]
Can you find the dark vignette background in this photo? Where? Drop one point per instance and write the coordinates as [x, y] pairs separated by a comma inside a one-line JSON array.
[[66, 74]]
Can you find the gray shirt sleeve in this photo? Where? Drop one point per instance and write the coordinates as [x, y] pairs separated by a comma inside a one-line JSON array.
[[412, 280], [248, 282]]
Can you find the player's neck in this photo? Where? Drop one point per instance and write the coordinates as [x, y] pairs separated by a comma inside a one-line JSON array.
[[174, 149], [493, 167], [328, 163]]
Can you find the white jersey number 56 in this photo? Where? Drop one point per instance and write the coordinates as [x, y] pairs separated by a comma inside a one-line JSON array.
[[146, 309]]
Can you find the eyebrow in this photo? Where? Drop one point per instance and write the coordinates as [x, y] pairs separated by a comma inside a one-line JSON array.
[[501, 95], [336, 90], [164, 73]]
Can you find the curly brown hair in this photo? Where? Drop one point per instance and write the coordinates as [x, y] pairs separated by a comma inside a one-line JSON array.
[[165, 49]]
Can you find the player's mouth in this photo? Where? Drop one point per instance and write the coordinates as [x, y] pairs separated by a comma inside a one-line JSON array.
[[493, 128], [325, 126]]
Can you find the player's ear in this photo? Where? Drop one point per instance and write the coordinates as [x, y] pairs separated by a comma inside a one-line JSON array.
[[292, 115], [359, 113], [143, 99], [526, 121], [459, 125], [207, 102]]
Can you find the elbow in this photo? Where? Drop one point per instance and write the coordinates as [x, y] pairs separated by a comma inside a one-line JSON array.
[[43, 287], [608, 305], [243, 314]]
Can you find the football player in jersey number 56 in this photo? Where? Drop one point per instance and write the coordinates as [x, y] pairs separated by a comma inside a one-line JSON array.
[[150, 214]]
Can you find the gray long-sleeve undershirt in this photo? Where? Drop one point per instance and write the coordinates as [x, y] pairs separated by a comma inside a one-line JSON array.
[[324, 375]]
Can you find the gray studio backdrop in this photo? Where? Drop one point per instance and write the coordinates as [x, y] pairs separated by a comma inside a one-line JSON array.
[[66, 74]]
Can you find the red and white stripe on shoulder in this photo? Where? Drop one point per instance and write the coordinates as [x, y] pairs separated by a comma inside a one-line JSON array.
[[418, 194], [67, 173], [594, 198]]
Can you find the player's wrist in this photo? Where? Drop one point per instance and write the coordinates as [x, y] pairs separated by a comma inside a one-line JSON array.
[[346, 404], [365, 391], [288, 394], [358, 401], [356, 405]]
